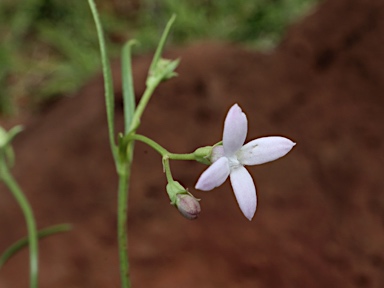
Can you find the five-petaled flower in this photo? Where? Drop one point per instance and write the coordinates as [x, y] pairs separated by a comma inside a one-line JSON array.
[[230, 159]]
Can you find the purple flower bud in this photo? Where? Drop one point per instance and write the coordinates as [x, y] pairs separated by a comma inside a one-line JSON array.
[[188, 206]]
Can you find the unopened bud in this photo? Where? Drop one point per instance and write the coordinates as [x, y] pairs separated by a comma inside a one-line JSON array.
[[188, 206], [164, 69]]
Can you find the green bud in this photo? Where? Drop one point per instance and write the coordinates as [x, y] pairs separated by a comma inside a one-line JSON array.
[[203, 155], [163, 70]]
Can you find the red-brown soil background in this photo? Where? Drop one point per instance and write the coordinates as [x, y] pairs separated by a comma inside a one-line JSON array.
[[320, 215]]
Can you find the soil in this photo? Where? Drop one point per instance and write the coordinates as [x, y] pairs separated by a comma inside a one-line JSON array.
[[320, 217]]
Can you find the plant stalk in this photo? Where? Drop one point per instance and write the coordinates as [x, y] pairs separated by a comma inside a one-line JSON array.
[[29, 218], [124, 172]]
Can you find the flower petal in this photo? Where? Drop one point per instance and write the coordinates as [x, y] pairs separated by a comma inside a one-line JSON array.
[[264, 150], [217, 153], [214, 175], [245, 191], [235, 130]]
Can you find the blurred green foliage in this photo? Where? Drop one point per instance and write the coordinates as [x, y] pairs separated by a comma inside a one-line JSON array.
[[49, 47], [257, 23]]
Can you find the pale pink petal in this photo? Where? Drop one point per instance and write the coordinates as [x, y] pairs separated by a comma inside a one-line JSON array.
[[214, 175], [245, 191], [235, 130], [217, 153], [264, 150]]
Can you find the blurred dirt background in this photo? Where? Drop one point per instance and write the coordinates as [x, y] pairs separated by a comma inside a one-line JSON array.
[[320, 215]]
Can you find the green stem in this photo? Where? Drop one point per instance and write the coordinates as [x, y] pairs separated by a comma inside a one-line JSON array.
[[188, 156], [142, 104], [122, 210], [29, 218], [157, 79], [17, 246], [161, 150], [167, 169]]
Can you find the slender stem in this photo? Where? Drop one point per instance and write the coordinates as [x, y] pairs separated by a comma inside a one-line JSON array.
[[157, 79], [188, 156], [161, 150], [167, 169], [29, 218], [122, 161], [17, 246], [122, 210], [123, 167], [142, 104]]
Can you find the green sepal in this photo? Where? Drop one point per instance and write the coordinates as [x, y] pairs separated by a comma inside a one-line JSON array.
[[203, 155], [174, 188]]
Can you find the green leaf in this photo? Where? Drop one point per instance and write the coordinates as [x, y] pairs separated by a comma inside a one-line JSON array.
[[108, 82], [20, 244], [160, 47], [128, 87]]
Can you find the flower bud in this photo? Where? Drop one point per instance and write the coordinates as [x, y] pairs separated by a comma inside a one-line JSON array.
[[188, 206], [164, 69]]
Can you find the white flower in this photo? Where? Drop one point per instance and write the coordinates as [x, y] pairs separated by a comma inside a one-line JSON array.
[[230, 159]]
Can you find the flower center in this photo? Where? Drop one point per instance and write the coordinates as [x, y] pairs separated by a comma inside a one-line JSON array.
[[233, 162]]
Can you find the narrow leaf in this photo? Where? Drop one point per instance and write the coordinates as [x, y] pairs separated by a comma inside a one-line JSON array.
[[160, 47], [20, 244], [108, 83], [128, 87]]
